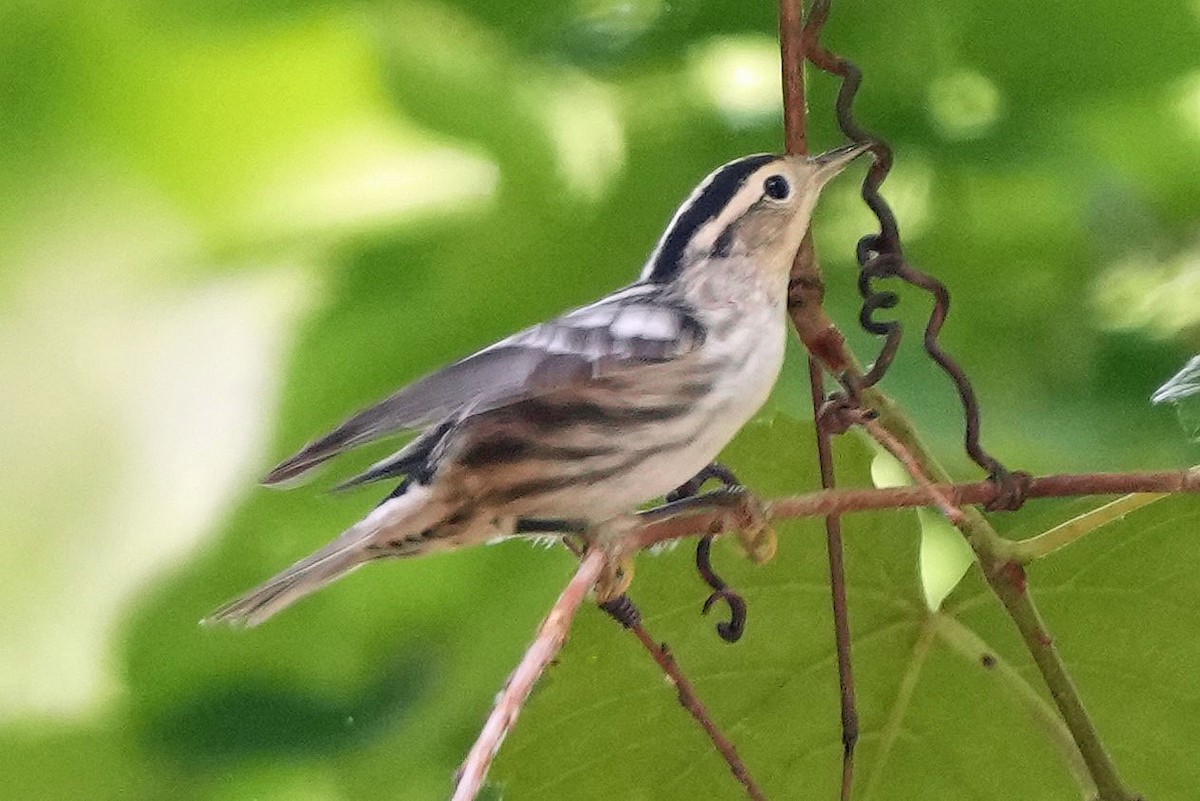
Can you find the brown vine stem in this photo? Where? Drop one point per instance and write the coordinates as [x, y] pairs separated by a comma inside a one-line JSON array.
[[806, 293], [691, 702], [547, 644], [1004, 574], [817, 504]]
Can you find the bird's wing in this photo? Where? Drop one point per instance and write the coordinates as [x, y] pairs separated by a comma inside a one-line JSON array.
[[634, 326]]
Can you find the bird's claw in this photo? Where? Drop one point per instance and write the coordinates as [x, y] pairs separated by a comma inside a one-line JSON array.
[[757, 537], [614, 580]]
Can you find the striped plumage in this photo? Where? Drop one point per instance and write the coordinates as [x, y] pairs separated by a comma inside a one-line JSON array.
[[587, 416]]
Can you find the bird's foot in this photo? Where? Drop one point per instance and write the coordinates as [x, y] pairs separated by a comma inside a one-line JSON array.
[[757, 536], [614, 580]]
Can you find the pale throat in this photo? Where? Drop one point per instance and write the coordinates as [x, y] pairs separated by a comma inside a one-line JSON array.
[[741, 281]]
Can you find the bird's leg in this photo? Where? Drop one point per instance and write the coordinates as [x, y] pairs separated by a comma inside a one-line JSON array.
[[609, 536], [614, 580], [755, 536]]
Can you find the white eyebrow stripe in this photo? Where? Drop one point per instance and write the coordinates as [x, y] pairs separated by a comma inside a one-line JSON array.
[[707, 234]]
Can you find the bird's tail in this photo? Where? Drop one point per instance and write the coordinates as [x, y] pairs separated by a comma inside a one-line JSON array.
[[405, 516]]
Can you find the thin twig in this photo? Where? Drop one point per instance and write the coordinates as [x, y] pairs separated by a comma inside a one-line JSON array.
[[915, 469], [791, 50], [550, 639], [805, 298], [806, 287], [837, 589], [625, 611], [692, 703], [817, 504]]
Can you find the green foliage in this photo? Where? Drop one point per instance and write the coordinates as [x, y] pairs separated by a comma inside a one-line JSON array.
[[949, 700], [1120, 603], [396, 183]]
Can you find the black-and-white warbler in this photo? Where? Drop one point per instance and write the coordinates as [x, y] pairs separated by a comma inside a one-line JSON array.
[[585, 417]]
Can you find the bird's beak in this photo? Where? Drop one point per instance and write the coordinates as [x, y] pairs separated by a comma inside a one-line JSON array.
[[831, 162]]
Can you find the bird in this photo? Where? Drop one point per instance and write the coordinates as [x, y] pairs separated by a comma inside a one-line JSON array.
[[581, 419]]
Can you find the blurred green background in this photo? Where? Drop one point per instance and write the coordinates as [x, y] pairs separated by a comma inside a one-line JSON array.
[[226, 225]]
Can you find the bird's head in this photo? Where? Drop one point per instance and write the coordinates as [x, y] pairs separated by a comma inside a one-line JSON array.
[[757, 207]]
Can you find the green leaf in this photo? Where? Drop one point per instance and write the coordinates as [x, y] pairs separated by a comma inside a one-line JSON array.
[[1121, 603], [950, 707]]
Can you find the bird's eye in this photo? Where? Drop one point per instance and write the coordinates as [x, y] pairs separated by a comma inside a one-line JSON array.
[[777, 187]]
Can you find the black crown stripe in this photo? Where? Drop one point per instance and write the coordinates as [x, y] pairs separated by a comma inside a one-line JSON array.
[[724, 185]]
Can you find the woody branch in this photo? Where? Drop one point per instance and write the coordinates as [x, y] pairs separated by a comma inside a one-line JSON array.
[[845, 501]]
